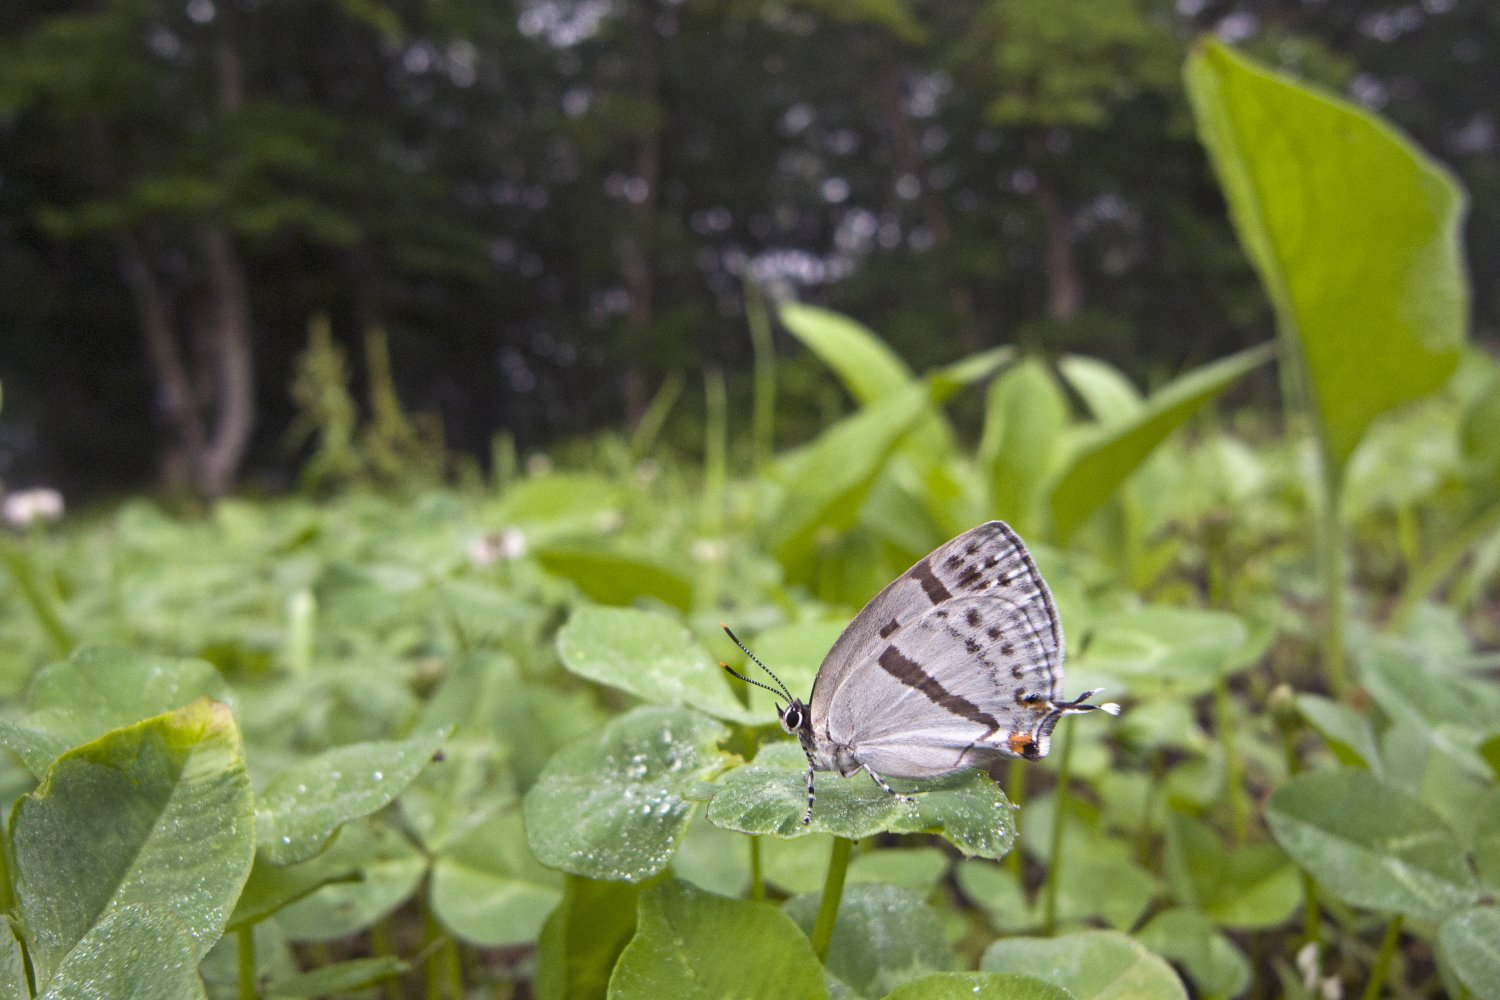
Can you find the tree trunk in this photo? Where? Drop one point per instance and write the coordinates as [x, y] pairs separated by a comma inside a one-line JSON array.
[[232, 365], [181, 454], [1065, 286], [909, 160], [637, 257]]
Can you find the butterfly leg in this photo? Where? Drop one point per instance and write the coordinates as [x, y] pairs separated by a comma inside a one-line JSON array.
[[887, 788], [807, 817]]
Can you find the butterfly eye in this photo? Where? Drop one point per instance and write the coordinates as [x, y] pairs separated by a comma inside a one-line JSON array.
[[791, 719]]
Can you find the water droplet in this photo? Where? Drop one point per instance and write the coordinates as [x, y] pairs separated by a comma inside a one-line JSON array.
[[379, 775]]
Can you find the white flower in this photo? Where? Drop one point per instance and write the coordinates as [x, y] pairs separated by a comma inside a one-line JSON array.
[[494, 546], [26, 507]]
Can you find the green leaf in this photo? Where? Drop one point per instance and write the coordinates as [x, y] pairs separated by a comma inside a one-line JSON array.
[[100, 688], [617, 578], [884, 936], [977, 986], [13, 984], [389, 867], [827, 481], [1348, 733], [692, 945], [1372, 843], [614, 804], [301, 807], [769, 796], [583, 938], [488, 888], [869, 369], [1469, 945], [137, 952], [157, 813], [1246, 888], [1487, 842], [272, 887], [1093, 965], [1353, 230], [650, 656], [1107, 458], [1211, 960], [339, 977], [1110, 396], [1025, 415]]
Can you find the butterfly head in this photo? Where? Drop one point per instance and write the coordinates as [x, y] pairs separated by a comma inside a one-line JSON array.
[[795, 717]]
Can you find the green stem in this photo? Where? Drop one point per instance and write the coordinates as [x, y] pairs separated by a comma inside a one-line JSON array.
[[1332, 556], [763, 406], [1054, 851], [1312, 918], [1234, 768], [833, 894], [244, 946], [1015, 790], [757, 876], [1426, 577], [1383, 959], [382, 943]]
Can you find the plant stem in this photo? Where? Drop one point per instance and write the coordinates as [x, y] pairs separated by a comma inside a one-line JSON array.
[[763, 406], [1312, 920], [1383, 960], [757, 876], [1332, 557], [1425, 578], [1015, 790], [833, 894], [244, 946], [1054, 851], [1234, 769]]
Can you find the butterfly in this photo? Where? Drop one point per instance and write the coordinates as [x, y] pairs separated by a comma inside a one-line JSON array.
[[956, 664]]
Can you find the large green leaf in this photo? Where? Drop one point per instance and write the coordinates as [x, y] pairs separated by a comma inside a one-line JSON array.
[[158, 813], [301, 807], [615, 804], [1354, 231], [1158, 647], [1116, 449], [1093, 965], [1372, 843], [693, 945], [884, 936], [652, 657], [100, 688], [769, 796]]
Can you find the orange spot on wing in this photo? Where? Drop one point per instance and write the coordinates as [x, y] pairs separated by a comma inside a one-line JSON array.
[[1021, 744]]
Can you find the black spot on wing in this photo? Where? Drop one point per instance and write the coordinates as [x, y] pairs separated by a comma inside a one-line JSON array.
[[931, 585], [974, 618], [888, 628]]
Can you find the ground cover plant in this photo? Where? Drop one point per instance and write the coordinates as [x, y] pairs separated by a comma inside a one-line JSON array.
[[473, 741]]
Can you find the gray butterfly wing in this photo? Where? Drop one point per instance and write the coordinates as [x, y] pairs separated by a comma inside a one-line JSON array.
[[958, 660]]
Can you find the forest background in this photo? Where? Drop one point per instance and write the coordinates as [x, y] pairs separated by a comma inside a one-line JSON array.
[[549, 210]]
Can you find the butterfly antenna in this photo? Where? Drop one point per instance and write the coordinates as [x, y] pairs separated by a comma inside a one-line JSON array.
[[783, 692]]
